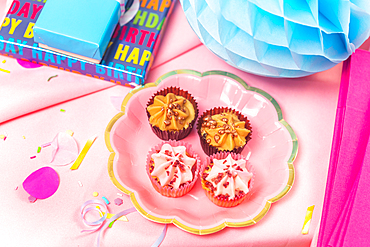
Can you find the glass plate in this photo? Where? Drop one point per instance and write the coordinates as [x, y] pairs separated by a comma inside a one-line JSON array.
[[271, 151]]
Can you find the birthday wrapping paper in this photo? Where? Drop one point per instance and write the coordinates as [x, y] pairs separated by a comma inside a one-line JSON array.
[[130, 52], [280, 38]]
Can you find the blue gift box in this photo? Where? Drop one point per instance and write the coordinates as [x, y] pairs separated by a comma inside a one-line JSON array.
[[79, 28]]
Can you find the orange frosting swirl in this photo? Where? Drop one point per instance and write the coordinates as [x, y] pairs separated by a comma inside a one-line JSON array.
[[171, 112], [224, 131]]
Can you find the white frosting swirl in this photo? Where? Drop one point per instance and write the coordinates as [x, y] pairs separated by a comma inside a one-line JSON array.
[[228, 176], [172, 166]]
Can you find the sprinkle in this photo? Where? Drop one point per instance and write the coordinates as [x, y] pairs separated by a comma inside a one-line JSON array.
[[32, 157], [62, 110], [46, 145], [83, 153], [105, 200], [51, 77], [3, 137], [4, 61], [4, 70], [16, 188], [70, 132], [79, 183], [118, 201], [32, 199], [38, 149], [24, 137], [119, 194], [307, 220], [95, 194]]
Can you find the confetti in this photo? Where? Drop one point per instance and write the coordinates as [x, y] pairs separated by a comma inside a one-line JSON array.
[[105, 200], [4, 61], [65, 149], [95, 194], [62, 110], [3, 137], [83, 153], [118, 201], [24, 137], [51, 77], [70, 132], [32, 199], [79, 183], [32, 157], [46, 145], [119, 194], [16, 188], [42, 183], [307, 220], [38, 149], [4, 70]]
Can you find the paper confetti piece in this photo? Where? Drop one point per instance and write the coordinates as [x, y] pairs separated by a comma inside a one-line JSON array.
[[70, 132], [32, 157], [16, 188], [42, 183], [119, 194], [46, 145], [51, 77], [24, 137], [32, 199], [105, 200], [307, 219], [4, 70], [3, 137], [65, 150], [95, 194], [83, 153], [62, 110], [4, 61], [38, 149], [80, 184], [118, 201]]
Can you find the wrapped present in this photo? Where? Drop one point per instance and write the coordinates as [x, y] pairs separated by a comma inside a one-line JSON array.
[[88, 40], [130, 53]]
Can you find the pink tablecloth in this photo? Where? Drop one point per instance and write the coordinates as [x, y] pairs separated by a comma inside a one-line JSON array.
[[30, 116]]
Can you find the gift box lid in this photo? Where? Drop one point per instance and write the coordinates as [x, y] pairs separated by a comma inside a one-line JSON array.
[[82, 27]]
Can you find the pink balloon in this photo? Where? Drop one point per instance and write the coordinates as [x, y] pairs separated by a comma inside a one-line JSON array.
[[42, 183]]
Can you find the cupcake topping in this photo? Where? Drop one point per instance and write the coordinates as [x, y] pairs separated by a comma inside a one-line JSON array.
[[224, 131], [171, 112], [228, 177], [172, 166]]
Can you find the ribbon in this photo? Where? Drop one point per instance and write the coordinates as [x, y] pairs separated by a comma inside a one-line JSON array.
[[83, 153], [128, 11], [98, 224], [161, 237]]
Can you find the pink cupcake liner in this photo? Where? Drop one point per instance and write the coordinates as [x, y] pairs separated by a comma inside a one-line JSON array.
[[183, 189], [223, 202], [174, 135], [207, 148]]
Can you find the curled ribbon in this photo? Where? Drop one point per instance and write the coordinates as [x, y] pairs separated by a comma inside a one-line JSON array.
[[91, 205], [129, 8]]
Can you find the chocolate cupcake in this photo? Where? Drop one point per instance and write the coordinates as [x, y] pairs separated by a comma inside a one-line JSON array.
[[227, 179], [173, 168], [172, 113], [223, 129]]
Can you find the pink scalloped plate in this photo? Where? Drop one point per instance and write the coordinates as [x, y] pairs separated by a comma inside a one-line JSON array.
[[271, 151]]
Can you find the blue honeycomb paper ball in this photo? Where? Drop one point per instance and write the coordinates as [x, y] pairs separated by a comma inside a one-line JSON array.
[[280, 38]]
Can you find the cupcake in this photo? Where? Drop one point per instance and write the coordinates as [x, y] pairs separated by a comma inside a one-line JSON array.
[[227, 179], [223, 129], [172, 113], [173, 168]]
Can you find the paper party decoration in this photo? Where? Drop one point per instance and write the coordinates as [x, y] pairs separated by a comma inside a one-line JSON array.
[[42, 183], [280, 38]]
